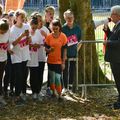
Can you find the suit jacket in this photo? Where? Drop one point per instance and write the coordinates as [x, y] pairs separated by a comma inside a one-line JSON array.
[[112, 53]]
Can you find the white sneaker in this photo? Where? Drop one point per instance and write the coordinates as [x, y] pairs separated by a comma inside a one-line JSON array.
[[41, 94], [34, 96], [64, 90], [2, 101]]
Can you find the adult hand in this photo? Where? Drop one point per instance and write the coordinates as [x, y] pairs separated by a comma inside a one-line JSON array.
[[105, 28]]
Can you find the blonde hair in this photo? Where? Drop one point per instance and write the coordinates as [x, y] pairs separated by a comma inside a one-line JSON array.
[[20, 12], [50, 9], [68, 13]]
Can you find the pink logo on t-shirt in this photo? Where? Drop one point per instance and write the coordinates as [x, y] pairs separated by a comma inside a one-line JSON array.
[[22, 43], [72, 40], [3, 46], [32, 49]]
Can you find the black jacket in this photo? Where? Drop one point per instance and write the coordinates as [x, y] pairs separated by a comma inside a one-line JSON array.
[[112, 53]]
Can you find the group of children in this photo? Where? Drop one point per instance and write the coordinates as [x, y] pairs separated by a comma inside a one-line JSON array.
[[26, 45]]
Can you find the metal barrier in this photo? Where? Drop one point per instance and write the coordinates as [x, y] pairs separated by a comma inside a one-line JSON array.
[[103, 65]]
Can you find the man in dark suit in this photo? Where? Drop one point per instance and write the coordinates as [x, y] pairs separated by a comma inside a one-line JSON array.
[[112, 53]]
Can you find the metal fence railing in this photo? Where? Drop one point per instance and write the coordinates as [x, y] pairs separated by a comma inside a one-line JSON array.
[[101, 65]]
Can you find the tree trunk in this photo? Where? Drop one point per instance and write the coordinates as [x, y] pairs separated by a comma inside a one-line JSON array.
[[63, 6], [83, 16]]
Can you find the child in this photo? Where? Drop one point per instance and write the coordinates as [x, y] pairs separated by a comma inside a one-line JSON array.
[[49, 15], [33, 64], [20, 40], [54, 43], [43, 31], [4, 36], [9, 72]]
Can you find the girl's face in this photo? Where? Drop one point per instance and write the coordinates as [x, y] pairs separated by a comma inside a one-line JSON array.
[[10, 20], [20, 18], [40, 22], [34, 27], [55, 29]]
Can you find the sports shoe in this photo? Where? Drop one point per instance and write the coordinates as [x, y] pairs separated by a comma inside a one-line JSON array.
[[40, 98], [2, 101], [60, 99], [11, 94], [48, 92], [19, 102], [116, 105], [23, 96], [34, 96], [6, 95]]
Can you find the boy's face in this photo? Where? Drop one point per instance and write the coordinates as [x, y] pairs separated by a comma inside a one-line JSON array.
[[69, 20]]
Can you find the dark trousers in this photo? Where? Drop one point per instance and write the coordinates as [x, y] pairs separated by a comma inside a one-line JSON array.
[[40, 74], [36, 77], [48, 79], [20, 79], [2, 67], [115, 67], [26, 71], [9, 77], [69, 73]]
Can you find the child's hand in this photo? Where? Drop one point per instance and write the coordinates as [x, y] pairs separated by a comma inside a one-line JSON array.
[[43, 33]]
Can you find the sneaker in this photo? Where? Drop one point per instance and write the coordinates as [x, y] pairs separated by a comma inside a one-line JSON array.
[[19, 102], [34, 96], [41, 94], [23, 96], [60, 99], [53, 97], [116, 105], [6, 94], [64, 91], [2, 101], [48, 92], [40, 98], [11, 94]]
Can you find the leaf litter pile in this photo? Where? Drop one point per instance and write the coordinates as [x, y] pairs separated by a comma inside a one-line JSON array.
[[97, 106]]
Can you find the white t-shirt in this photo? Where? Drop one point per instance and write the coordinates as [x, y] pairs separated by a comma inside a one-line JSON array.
[[42, 52], [21, 51], [36, 38], [3, 45]]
